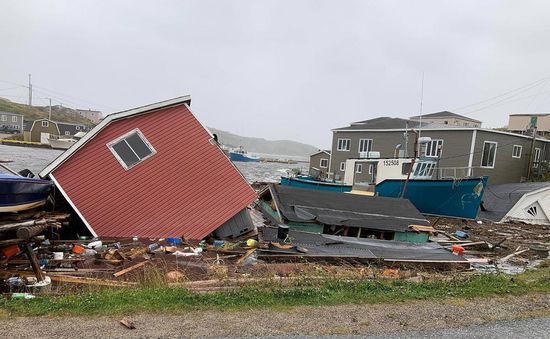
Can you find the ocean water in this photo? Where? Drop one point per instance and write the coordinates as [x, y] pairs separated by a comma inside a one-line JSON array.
[[35, 159]]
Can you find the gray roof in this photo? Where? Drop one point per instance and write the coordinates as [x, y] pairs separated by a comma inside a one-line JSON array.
[[499, 199], [445, 114], [381, 123], [11, 113], [344, 209]]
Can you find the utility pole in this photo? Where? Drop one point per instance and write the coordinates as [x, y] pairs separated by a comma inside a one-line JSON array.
[[533, 125], [417, 144], [50, 111], [30, 91]]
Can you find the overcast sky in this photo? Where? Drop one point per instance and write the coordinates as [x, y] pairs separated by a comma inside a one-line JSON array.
[[282, 69]]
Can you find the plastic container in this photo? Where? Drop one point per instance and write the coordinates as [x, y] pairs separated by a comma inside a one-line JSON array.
[[95, 244], [173, 241], [218, 243], [282, 232], [57, 255], [77, 249]]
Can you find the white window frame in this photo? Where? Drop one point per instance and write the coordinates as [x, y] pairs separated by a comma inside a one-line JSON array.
[[371, 168], [135, 130], [438, 148], [368, 143], [344, 142], [343, 166], [4, 117], [67, 133], [321, 163], [536, 158], [520, 148], [14, 118], [358, 168], [494, 158], [45, 123]]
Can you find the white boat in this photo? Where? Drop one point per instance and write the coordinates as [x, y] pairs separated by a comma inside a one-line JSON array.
[[61, 143]]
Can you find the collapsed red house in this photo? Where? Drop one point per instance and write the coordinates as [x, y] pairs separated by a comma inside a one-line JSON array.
[[152, 171]]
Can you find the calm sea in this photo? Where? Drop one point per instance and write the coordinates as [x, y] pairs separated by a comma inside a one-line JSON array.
[[35, 159]]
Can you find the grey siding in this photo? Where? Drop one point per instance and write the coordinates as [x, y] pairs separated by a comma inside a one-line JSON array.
[[11, 121], [315, 161]]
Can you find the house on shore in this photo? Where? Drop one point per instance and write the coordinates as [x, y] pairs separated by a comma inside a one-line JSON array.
[[152, 171], [11, 122], [503, 156], [446, 118], [42, 129], [523, 123], [318, 163]]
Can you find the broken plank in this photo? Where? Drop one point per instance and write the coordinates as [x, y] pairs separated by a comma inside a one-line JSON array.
[[129, 269], [246, 255], [90, 281]]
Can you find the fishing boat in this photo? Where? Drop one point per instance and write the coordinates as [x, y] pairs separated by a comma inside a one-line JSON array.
[[307, 181], [240, 154], [64, 143], [18, 193]]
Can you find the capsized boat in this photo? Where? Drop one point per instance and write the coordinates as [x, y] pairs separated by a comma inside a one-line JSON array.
[[240, 154], [18, 193]]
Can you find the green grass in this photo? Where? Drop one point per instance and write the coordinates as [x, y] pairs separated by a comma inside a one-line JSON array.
[[325, 292]]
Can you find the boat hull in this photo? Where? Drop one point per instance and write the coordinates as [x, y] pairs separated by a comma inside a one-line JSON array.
[[60, 144], [315, 184], [448, 198], [20, 193], [242, 157]]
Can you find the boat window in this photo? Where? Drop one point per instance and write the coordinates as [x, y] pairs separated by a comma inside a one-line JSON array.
[[405, 168], [489, 154], [131, 149]]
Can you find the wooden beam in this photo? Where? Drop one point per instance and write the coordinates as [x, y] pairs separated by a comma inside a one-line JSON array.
[[131, 268]]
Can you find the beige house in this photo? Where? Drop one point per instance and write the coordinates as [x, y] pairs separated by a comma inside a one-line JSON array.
[[520, 123], [93, 116], [447, 118]]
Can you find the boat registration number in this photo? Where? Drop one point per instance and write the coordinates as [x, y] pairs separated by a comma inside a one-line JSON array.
[[391, 162]]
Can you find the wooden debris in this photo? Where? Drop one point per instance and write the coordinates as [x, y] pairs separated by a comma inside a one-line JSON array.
[[506, 258], [246, 255], [128, 323], [129, 269], [91, 281]]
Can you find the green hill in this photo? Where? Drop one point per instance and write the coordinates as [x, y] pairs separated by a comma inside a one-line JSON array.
[[31, 113]]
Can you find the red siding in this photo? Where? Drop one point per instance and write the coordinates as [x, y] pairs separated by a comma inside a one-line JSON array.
[[189, 187]]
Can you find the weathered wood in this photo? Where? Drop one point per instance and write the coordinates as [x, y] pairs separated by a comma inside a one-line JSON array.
[[91, 281], [27, 232], [506, 258], [34, 262], [129, 269], [8, 227], [246, 255]]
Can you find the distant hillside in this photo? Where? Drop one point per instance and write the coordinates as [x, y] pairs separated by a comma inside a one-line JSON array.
[[59, 113], [259, 145]]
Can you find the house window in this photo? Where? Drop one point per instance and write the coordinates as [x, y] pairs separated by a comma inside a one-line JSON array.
[[131, 149], [45, 123], [344, 144], [433, 148], [359, 168], [14, 118], [516, 151], [77, 128], [371, 167], [446, 122], [536, 160], [489, 154], [67, 133], [365, 145], [323, 163], [343, 166], [4, 117]]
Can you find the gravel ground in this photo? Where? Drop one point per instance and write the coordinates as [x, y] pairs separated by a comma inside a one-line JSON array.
[[343, 320]]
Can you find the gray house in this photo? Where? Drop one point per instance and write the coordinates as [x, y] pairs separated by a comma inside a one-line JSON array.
[[11, 122], [505, 157], [318, 163]]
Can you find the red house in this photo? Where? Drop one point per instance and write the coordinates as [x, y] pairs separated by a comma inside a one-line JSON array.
[[152, 171]]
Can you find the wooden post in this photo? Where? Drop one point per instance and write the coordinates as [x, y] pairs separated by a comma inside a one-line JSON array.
[[34, 262]]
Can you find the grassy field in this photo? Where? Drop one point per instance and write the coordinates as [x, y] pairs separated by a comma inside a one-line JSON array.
[[303, 292]]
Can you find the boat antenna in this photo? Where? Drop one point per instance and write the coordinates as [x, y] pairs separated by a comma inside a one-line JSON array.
[[421, 108]]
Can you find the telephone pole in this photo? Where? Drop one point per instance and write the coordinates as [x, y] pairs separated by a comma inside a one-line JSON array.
[[30, 91], [50, 111]]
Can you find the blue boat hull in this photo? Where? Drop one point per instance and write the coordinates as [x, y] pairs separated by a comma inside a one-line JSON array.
[[451, 198], [241, 157], [315, 184], [19, 193]]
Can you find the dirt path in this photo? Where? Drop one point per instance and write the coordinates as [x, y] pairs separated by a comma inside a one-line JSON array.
[[343, 319]]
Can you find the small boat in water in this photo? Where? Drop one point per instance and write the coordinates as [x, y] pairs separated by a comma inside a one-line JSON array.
[[18, 193], [241, 155], [307, 181], [62, 143]]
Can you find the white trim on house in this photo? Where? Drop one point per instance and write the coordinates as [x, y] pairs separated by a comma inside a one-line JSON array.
[[368, 142], [472, 151], [440, 129], [345, 142], [66, 196], [494, 156], [536, 157], [105, 122], [321, 151], [343, 166], [359, 168], [520, 147], [321, 163]]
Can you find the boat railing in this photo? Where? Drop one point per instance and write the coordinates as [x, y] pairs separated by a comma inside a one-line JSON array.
[[455, 172]]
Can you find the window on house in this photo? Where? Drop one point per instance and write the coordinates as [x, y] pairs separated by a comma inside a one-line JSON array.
[[343, 166], [359, 168], [536, 159], [131, 149], [323, 163], [4, 117], [446, 122], [14, 118], [77, 128], [67, 133], [45, 123], [433, 148], [371, 168], [365, 145], [489, 154], [344, 144], [516, 151]]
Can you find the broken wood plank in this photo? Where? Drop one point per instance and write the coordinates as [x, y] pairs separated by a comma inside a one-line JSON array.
[[246, 255], [506, 258], [129, 269], [128, 323], [91, 281]]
